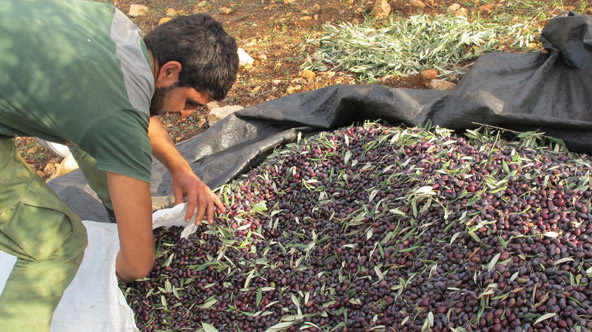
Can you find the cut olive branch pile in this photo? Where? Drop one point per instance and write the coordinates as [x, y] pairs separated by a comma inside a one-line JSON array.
[[407, 46], [378, 228]]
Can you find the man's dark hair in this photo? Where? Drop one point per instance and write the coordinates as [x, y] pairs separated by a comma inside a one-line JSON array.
[[206, 52]]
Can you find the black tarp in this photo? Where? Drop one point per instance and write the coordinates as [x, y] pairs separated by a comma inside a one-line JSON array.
[[549, 91]]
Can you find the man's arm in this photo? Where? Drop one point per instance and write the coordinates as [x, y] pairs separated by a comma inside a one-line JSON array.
[[133, 210], [185, 182]]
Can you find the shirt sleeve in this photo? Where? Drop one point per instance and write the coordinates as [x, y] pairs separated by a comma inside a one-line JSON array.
[[121, 145]]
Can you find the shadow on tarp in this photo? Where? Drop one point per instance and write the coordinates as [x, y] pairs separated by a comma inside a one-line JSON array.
[[549, 91]]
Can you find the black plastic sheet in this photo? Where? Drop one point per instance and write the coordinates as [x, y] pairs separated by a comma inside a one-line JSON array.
[[549, 91]]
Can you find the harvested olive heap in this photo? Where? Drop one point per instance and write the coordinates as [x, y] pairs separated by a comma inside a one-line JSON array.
[[378, 228]]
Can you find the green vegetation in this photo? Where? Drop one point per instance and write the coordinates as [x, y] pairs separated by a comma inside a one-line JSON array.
[[406, 46], [403, 47]]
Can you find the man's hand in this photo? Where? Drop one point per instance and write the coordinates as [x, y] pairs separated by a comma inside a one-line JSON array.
[[187, 185]]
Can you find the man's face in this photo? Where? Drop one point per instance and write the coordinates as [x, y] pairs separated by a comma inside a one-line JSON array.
[[174, 98]]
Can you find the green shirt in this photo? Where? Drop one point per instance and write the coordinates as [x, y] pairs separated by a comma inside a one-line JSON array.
[[78, 71]]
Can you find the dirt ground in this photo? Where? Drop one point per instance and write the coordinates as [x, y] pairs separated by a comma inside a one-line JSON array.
[[275, 34]]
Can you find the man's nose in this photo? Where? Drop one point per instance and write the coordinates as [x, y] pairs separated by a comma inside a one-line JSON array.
[[186, 113]]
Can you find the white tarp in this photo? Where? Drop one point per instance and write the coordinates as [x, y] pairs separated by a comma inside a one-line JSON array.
[[93, 301]]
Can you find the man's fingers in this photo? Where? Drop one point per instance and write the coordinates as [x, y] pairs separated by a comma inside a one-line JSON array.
[[211, 212], [217, 201], [201, 210], [201, 198], [191, 203], [179, 197]]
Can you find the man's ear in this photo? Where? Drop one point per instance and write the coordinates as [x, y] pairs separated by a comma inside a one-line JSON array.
[[168, 74]]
